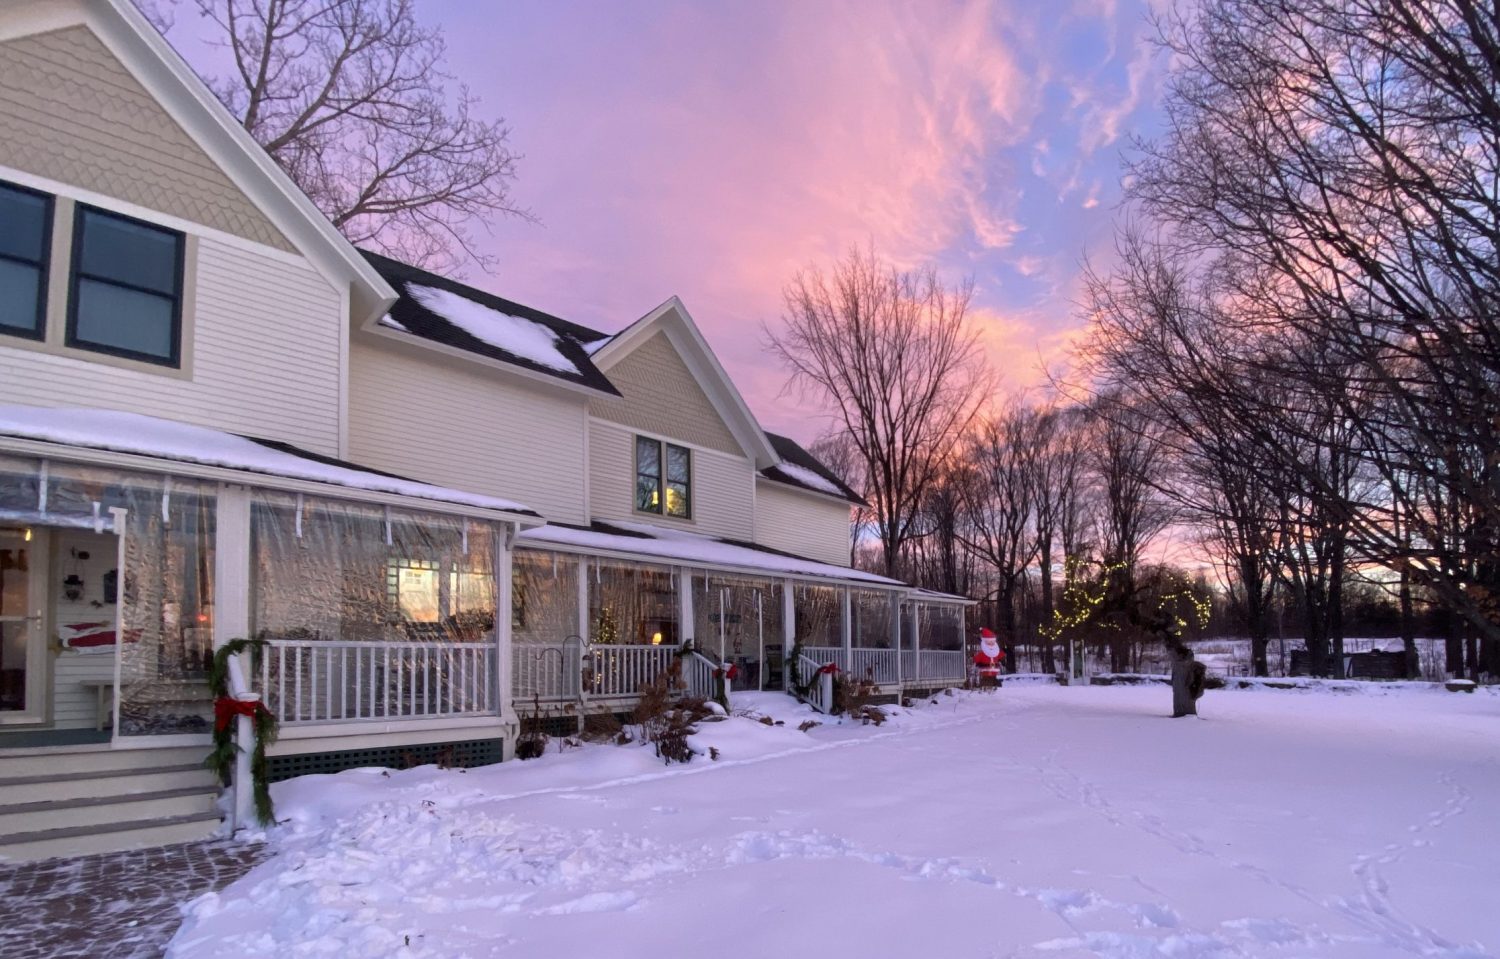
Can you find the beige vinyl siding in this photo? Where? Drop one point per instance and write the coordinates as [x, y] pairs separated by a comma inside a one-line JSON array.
[[803, 523], [71, 112], [723, 486], [448, 421], [661, 396], [263, 351]]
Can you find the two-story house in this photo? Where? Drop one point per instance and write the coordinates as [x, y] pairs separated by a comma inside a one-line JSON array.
[[192, 363]]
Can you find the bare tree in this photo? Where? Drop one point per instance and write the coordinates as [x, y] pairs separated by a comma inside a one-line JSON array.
[[890, 352], [1056, 497], [348, 96]]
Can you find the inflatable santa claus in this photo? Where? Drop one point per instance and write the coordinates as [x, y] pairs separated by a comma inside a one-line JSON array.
[[988, 659]]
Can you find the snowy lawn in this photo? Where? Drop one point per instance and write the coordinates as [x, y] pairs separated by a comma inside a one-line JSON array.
[[1036, 821]]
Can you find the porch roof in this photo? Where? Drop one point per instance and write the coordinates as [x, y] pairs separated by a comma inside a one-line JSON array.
[[276, 464], [658, 544], [942, 599]]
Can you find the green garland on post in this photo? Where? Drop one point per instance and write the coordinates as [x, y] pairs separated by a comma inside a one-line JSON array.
[[221, 760]]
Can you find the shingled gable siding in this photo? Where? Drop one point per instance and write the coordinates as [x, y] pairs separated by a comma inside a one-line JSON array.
[[813, 526], [264, 352], [660, 396], [71, 112], [723, 487], [458, 424]]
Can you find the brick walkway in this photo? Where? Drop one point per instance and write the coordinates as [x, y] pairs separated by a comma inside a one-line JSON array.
[[121, 905]]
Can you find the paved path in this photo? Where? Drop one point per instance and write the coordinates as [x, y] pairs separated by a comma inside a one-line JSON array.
[[121, 905]]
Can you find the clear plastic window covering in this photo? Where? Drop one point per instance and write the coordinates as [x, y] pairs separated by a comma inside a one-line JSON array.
[[871, 612], [544, 597], [819, 612], [165, 591], [632, 605], [941, 626], [738, 620], [371, 613], [20, 485]]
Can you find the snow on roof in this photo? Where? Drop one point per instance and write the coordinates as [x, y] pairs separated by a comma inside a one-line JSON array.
[[170, 440], [392, 322], [657, 543], [808, 478], [933, 596], [513, 334]]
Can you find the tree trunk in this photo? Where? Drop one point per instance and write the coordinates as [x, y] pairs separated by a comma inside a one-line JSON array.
[[1049, 659], [1408, 626], [1183, 703]]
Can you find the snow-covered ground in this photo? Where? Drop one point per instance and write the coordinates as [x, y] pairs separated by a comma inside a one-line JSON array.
[[1035, 821]]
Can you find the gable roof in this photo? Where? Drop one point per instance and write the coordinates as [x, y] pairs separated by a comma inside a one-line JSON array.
[[150, 58], [803, 470], [437, 310], [673, 319]]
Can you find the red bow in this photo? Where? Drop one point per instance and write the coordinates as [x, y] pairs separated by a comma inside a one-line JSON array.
[[731, 672], [828, 669], [226, 708]]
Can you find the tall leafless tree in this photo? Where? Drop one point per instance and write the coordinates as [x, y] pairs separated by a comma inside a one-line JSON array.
[[349, 97], [891, 353]]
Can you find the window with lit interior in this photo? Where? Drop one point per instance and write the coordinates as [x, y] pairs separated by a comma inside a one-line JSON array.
[[663, 478]]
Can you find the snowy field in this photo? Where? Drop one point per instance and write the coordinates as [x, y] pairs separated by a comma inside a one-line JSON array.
[[1036, 821]]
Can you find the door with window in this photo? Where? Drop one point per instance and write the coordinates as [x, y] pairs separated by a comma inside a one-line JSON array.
[[23, 644]]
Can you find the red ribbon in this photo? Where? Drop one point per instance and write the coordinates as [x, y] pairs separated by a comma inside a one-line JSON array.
[[226, 708], [828, 669], [732, 672]]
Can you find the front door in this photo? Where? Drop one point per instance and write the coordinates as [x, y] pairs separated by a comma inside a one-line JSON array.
[[23, 643]]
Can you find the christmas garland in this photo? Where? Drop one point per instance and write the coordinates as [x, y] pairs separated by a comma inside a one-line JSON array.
[[226, 710]]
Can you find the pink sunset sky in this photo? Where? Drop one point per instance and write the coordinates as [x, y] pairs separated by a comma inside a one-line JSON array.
[[709, 150]]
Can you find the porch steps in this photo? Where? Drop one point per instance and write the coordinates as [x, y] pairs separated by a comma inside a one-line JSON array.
[[70, 801]]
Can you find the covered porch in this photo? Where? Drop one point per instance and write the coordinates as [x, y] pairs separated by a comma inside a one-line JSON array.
[[133, 547], [601, 611]]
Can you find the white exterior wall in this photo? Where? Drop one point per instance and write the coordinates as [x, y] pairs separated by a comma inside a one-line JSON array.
[[803, 523], [723, 485], [263, 353], [73, 704], [458, 424]]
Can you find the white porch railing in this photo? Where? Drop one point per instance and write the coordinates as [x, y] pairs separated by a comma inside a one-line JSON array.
[[820, 684], [323, 681], [547, 671], [935, 667], [878, 665], [622, 670], [698, 672]]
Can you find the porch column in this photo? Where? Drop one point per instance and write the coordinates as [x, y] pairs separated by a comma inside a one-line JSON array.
[[232, 566], [790, 676], [685, 619], [583, 599], [848, 618], [916, 640], [504, 611], [896, 635]]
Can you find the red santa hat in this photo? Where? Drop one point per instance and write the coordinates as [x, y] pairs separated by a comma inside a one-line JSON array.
[[986, 633]]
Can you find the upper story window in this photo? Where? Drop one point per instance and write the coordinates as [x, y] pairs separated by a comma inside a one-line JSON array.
[[663, 478], [25, 240], [126, 288]]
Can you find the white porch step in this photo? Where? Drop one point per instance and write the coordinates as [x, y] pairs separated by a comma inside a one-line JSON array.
[[54, 760], [107, 837], [135, 807], [90, 784]]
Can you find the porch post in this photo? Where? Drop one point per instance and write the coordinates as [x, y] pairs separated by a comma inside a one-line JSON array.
[[231, 565], [916, 639], [896, 636], [504, 611], [685, 625], [789, 675], [583, 599], [848, 618]]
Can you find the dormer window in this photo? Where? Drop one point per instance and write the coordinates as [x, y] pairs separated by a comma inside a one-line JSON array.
[[663, 478], [126, 288], [25, 239]]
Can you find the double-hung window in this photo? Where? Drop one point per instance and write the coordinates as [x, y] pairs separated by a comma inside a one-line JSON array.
[[663, 478], [126, 288], [25, 241]]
